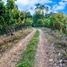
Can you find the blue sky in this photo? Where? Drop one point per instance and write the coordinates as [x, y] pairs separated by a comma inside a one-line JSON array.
[[53, 5]]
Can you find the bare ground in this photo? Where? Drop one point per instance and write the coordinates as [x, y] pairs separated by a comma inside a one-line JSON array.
[[41, 55], [45, 53], [11, 58]]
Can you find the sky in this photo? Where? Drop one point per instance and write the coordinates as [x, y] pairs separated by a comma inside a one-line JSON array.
[[53, 5]]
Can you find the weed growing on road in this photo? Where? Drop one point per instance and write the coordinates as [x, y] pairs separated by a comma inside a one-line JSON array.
[[29, 54]]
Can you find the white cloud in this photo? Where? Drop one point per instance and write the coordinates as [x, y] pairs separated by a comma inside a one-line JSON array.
[[4, 0], [64, 0], [28, 2], [28, 5], [25, 2], [60, 6], [45, 1]]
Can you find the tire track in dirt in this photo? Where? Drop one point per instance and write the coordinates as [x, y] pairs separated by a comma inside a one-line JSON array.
[[11, 58], [41, 59]]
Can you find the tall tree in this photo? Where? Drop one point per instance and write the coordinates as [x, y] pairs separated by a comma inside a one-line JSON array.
[[2, 13], [39, 14], [9, 16]]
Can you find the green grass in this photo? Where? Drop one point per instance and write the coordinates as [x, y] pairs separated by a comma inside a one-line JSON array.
[[29, 54]]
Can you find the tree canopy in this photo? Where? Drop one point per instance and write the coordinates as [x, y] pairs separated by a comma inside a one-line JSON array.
[[11, 18]]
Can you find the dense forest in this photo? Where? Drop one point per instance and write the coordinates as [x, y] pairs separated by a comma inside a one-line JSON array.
[[11, 18]]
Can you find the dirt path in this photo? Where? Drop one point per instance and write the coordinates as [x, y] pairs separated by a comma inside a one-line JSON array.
[[41, 55], [10, 59]]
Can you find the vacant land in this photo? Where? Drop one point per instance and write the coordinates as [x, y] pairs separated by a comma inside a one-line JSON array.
[[10, 58], [57, 44], [7, 42], [36, 49]]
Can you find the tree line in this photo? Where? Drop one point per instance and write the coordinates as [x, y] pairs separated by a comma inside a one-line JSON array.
[[11, 18], [53, 20]]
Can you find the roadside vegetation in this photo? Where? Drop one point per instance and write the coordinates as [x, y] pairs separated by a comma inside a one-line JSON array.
[[27, 58], [7, 42], [56, 21], [12, 19], [58, 41]]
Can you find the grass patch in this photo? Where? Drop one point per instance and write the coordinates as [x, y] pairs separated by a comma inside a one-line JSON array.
[[29, 54]]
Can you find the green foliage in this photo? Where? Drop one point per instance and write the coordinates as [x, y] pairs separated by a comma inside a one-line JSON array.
[[11, 17], [10, 4], [52, 20], [29, 54], [1, 7], [58, 21], [36, 18], [28, 22]]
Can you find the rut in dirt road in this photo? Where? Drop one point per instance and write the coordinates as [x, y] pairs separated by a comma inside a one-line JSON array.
[[11, 58], [41, 59]]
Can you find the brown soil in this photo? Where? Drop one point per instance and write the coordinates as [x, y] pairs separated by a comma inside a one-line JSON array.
[[45, 52], [11, 58], [41, 55]]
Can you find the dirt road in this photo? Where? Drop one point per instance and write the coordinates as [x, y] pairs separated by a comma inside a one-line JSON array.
[[44, 55], [41, 54], [10, 58]]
